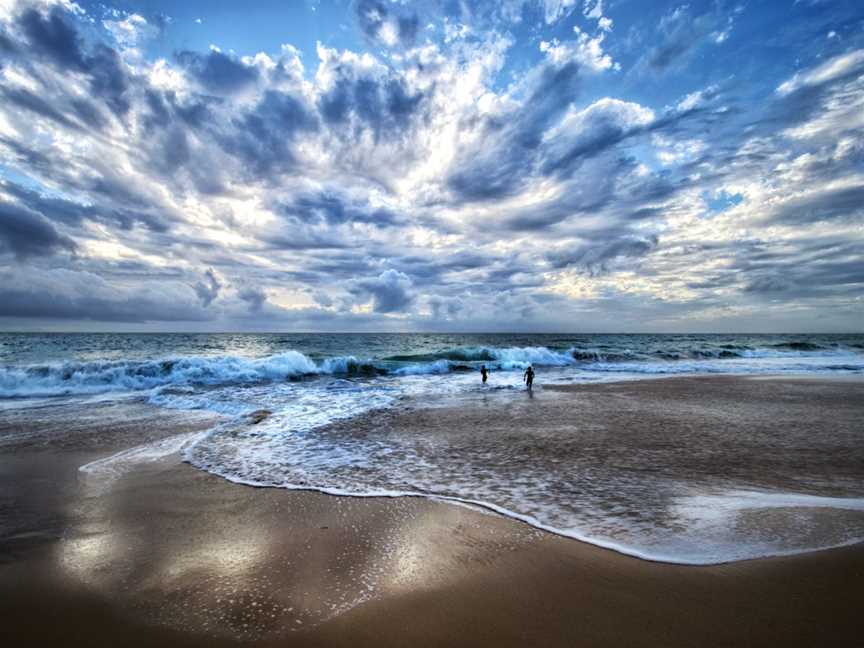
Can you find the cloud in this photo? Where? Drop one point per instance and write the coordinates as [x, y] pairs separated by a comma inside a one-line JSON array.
[[74, 214], [208, 288], [26, 233], [358, 96], [442, 172], [254, 296], [555, 10], [53, 37], [377, 22], [131, 31], [679, 33], [595, 257], [445, 308], [584, 133], [839, 67], [328, 207], [217, 72], [846, 203], [502, 168], [71, 295], [390, 291], [262, 138], [586, 51]]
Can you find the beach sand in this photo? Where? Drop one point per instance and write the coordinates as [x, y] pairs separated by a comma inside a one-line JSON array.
[[169, 555]]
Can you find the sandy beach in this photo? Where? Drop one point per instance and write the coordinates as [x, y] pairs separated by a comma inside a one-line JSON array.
[[166, 554]]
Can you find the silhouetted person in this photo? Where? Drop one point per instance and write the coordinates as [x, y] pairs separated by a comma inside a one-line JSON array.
[[529, 376], [484, 372]]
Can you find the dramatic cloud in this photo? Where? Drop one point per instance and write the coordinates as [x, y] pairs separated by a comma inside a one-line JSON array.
[[518, 165], [390, 291], [26, 233]]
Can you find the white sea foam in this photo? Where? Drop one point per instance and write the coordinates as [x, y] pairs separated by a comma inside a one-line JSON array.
[[521, 357], [103, 472]]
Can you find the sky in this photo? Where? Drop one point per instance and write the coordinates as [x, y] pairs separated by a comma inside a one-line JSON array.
[[445, 165]]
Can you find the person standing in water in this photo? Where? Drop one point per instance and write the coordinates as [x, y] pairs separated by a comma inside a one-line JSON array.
[[484, 373], [529, 376]]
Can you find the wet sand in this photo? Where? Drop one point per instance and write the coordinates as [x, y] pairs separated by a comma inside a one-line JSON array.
[[169, 555]]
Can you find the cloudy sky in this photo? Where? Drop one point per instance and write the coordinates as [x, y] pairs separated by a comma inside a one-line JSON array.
[[519, 165]]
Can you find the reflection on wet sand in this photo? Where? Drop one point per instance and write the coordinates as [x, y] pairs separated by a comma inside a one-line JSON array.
[[192, 551]]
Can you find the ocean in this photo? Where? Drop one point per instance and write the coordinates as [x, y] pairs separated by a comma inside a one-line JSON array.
[[307, 382]]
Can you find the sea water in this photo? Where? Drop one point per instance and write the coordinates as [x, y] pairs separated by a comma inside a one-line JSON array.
[[308, 381]]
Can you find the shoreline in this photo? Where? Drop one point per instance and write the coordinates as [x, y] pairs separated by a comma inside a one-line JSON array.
[[173, 555], [456, 408]]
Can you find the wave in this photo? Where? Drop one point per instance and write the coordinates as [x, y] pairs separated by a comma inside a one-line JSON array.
[[81, 378], [97, 377], [800, 346], [521, 357], [464, 354]]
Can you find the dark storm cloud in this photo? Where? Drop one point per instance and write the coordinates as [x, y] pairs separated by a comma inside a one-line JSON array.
[[157, 109], [26, 233], [217, 72], [502, 168]]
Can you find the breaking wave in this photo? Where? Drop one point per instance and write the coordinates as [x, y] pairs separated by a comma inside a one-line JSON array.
[[71, 378], [95, 377]]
